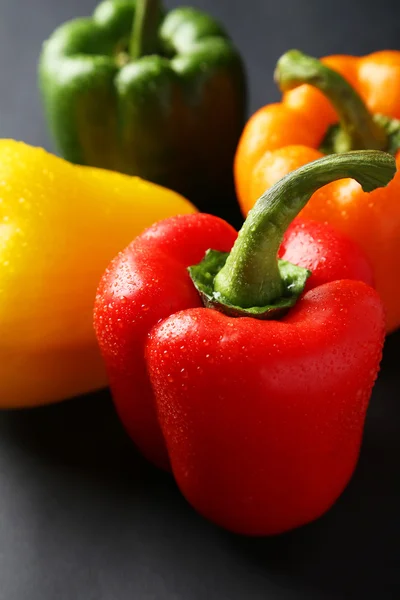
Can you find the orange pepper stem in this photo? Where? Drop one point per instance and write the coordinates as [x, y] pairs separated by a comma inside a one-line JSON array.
[[144, 39], [358, 127], [251, 276]]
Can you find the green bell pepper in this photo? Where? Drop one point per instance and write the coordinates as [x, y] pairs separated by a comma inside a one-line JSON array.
[[148, 93]]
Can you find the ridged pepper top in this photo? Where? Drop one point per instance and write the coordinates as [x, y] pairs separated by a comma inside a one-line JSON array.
[[162, 98]]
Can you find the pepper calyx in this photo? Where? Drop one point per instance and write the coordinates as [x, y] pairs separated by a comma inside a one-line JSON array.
[[203, 275], [392, 128], [337, 141], [251, 277]]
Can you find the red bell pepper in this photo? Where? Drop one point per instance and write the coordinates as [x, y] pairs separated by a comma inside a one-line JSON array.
[[257, 403]]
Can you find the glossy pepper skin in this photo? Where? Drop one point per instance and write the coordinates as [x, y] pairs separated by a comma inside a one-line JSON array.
[[60, 225], [260, 420], [140, 286], [281, 137], [165, 102]]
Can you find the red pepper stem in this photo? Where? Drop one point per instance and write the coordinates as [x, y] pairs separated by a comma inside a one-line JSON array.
[[144, 39], [251, 275], [360, 130]]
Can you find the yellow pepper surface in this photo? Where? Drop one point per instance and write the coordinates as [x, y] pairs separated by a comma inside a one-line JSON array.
[[60, 226]]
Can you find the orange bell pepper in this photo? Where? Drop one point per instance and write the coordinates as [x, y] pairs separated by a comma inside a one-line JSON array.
[[338, 104]]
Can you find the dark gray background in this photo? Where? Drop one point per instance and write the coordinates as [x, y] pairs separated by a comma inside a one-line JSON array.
[[82, 516]]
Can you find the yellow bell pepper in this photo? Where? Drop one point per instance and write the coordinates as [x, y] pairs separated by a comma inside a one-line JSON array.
[[60, 225]]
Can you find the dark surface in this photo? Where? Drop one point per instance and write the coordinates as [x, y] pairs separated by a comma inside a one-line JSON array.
[[82, 516]]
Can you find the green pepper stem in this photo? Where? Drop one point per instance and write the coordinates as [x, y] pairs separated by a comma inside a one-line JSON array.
[[295, 68], [144, 39], [250, 276]]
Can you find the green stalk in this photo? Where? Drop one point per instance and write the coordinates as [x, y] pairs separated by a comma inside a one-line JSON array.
[[251, 276], [359, 129], [144, 39]]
